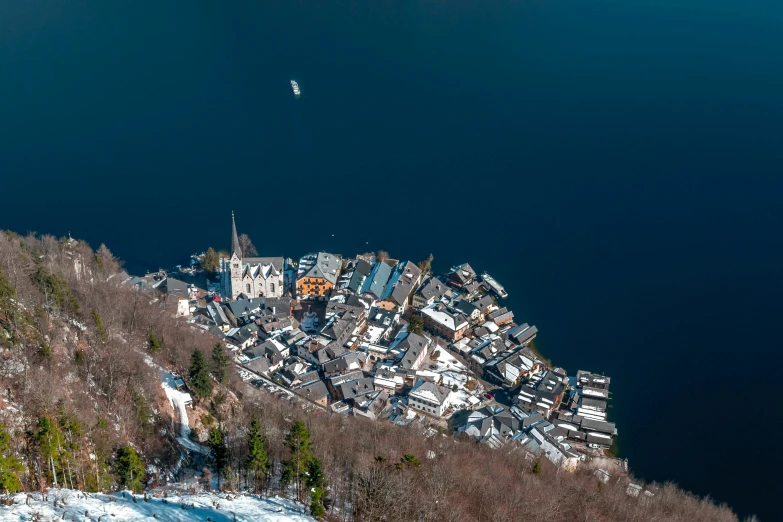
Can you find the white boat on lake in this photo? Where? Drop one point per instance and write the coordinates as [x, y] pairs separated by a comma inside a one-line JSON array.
[[295, 87], [494, 285]]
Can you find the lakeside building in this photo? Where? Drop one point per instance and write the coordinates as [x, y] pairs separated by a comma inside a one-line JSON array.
[[317, 275], [250, 276], [462, 275]]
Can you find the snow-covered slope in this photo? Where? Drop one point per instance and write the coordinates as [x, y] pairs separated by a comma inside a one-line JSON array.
[[73, 505]]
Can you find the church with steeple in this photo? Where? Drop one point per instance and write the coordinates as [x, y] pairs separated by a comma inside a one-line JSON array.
[[250, 276]]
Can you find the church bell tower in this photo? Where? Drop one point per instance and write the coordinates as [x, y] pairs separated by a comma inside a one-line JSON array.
[[235, 262]]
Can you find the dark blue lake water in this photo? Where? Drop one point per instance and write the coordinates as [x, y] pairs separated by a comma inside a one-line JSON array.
[[617, 165]]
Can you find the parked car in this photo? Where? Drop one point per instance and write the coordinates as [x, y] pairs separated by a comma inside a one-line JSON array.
[[489, 396]]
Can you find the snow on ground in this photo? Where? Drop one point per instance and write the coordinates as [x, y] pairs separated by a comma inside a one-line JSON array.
[[178, 401], [74, 505], [452, 372], [449, 361]]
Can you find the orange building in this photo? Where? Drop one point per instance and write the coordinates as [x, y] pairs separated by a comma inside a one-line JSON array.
[[317, 275]]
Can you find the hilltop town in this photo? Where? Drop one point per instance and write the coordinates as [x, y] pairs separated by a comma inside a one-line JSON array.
[[392, 341]]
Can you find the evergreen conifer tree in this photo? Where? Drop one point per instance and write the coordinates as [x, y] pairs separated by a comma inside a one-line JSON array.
[[153, 344], [99, 326], [48, 439], [257, 457], [10, 466], [217, 444], [415, 324], [220, 363], [295, 469], [130, 468], [200, 382], [316, 484]]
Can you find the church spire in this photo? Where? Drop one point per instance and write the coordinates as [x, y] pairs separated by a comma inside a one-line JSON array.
[[234, 238]]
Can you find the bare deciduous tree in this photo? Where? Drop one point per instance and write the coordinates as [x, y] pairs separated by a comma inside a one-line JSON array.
[[248, 249]]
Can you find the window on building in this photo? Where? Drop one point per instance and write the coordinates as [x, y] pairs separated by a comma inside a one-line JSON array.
[[247, 287], [272, 288]]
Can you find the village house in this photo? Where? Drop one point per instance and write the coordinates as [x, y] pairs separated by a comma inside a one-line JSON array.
[[243, 337], [413, 348], [346, 273], [509, 368], [178, 306], [340, 328], [317, 275], [380, 323], [258, 365], [353, 390], [343, 364], [240, 310], [461, 275], [429, 398], [599, 433], [471, 290], [547, 441], [484, 348], [592, 384], [320, 355], [523, 334], [359, 275], [468, 309], [218, 316], [501, 316], [274, 351], [336, 380], [402, 282], [315, 392], [443, 322], [178, 288], [177, 298], [594, 433], [373, 406], [485, 304], [349, 307], [375, 283], [391, 381], [492, 425], [595, 409], [432, 290], [297, 371], [375, 353], [543, 396]]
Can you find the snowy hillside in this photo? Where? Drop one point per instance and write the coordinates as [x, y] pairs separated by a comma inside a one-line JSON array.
[[73, 505]]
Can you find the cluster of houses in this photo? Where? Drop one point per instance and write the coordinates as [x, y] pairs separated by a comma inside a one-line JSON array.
[[388, 340]]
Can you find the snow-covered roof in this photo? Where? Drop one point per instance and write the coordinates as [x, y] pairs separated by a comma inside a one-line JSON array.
[[451, 321]]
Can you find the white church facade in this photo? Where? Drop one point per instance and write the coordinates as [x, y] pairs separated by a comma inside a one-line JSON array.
[[250, 276]]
